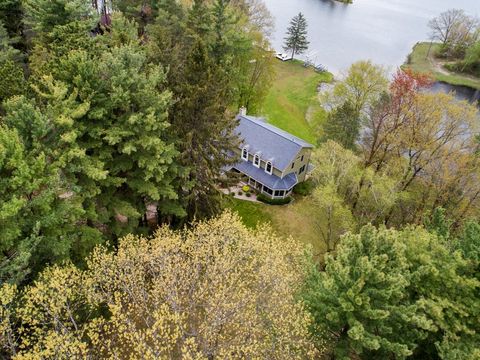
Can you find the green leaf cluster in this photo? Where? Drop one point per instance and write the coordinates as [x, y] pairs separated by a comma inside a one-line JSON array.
[[396, 294]]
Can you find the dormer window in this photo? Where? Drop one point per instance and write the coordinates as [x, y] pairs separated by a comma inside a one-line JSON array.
[[268, 167], [256, 160], [245, 154]]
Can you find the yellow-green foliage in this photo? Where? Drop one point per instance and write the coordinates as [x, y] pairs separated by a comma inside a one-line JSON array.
[[216, 290]]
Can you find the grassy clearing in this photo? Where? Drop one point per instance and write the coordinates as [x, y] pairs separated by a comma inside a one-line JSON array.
[[292, 96], [293, 220], [252, 213], [422, 61]]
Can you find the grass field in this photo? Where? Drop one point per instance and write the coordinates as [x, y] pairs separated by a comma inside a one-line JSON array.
[[292, 96], [421, 60], [293, 220]]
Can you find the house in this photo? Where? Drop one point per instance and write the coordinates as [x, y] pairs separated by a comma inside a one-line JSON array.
[[272, 160]]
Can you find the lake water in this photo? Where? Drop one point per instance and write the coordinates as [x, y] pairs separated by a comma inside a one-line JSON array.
[[381, 30]]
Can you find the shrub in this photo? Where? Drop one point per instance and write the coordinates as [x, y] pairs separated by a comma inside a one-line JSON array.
[[267, 200], [248, 194], [304, 188], [246, 188], [240, 192], [232, 194]]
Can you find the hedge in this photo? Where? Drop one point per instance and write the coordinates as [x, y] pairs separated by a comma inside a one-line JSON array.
[[267, 200], [304, 188]]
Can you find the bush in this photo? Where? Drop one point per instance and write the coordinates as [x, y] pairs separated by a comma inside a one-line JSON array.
[[232, 194], [248, 194], [267, 200], [246, 188], [304, 188], [240, 192]]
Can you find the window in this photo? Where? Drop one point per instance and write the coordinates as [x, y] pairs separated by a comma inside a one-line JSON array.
[[293, 165], [267, 190], [302, 169], [268, 167], [256, 160], [245, 154], [302, 158], [279, 192]]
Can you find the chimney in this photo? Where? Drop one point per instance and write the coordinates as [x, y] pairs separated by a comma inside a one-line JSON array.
[[243, 111]]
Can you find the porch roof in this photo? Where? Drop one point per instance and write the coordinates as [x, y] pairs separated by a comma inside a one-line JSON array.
[[271, 181]]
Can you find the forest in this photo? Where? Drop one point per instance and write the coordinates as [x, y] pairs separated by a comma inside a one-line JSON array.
[[117, 120]]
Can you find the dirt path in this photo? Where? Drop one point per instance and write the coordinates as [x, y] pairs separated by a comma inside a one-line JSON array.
[[439, 66]]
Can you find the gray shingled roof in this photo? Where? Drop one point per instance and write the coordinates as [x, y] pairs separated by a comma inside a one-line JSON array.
[[272, 181], [273, 144]]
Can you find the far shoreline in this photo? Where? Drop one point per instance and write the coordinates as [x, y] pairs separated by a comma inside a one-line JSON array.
[[422, 59]]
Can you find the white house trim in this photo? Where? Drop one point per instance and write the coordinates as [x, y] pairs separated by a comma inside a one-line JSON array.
[[245, 153], [256, 160], [267, 165]]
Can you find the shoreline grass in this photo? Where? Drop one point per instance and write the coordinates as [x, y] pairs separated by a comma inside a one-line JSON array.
[[420, 60], [293, 93]]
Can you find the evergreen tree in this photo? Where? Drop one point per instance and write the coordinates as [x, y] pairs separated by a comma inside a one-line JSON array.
[[108, 130], [143, 12], [11, 15], [43, 15], [296, 39], [396, 294], [342, 126], [12, 81], [38, 216], [200, 77], [469, 244], [439, 224], [205, 129]]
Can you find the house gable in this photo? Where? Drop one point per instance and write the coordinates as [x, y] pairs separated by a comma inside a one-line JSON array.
[[269, 142]]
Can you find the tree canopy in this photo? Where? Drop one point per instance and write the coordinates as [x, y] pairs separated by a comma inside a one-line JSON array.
[[399, 294], [117, 124], [216, 290]]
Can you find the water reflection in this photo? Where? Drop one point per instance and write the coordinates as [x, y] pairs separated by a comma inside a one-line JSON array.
[[381, 30], [461, 92]]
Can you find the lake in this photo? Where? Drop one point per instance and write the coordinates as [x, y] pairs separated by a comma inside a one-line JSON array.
[[381, 30]]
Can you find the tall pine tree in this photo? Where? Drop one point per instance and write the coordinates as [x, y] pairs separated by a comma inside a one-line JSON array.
[[200, 79], [38, 216], [296, 39]]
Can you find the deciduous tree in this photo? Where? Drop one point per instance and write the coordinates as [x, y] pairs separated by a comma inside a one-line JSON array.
[[332, 215], [361, 87], [455, 30], [216, 290]]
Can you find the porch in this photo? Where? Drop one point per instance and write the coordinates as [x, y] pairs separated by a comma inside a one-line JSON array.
[[263, 189]]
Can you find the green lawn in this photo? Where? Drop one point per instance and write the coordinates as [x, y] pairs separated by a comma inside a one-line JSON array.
[[292, 94], [422, 61], [251, 212], [294, 219]]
